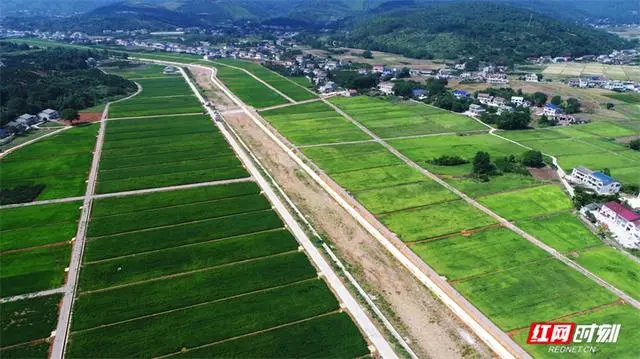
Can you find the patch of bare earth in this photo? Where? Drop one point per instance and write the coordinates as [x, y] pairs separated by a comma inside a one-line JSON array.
[[432, 330], [203, 78], [543, 174]]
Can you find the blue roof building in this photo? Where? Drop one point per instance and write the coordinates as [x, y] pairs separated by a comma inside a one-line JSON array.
[[606, 180], [460, 94], [418, 92]]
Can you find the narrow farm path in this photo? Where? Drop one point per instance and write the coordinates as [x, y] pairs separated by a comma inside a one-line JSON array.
[[504, 222], [64, 316], [172, 188], [287, 105], [12, 149], [42, 293], [153, 116], [39, 203]]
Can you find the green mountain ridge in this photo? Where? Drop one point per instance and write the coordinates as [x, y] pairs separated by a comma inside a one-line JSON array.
[[486, 31]]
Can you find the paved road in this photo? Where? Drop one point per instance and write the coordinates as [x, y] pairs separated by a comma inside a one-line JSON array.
[[504, 222], [347, 300], [42, 293], [497, 340], [64, 316]]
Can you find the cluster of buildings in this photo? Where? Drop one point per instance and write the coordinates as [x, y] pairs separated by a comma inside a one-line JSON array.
[[617, 57], [489, 74], [622, 222], [554, 112], [500, 103], [604, 83], [24, 122]]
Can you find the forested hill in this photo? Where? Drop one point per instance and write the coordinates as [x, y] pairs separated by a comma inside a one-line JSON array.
[[58, 78], [487, 31]]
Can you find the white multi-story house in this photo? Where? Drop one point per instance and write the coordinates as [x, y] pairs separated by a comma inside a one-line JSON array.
[[531, 77], [476, 110], [517, 100], [497, 78], [48, 115], [597, 181], [484, 98], [386, 88], [622, 222]]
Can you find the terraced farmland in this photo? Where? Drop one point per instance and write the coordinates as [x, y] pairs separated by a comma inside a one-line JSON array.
[[281, 83], [502, 274], [57, 166]]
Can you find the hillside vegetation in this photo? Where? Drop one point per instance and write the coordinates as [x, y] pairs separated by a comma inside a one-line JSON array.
[[487, 31], [58, 78]]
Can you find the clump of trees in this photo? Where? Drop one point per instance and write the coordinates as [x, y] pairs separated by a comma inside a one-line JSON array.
[[635, 144], [484, 168], [58, 78], [448, 161], [354, 80], [518, 120]]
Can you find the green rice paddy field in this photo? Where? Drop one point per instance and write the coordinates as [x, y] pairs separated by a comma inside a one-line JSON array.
[[60, 163], [34, 252], [389, 120], [591, 145], [139, 71], [504, 275], [177, 150], [214, 258], [313, 123], [250, 90], [281, 83]]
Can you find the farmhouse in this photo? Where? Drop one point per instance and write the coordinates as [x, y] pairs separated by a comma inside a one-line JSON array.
[[498, 101], [169, 70], [531, 77], [517, 100], [378, 69], [497, 78], [328, 87], [622, 222], [386, 88], [476, 110], [27, 119], [459, 94], [484, 98], [48, 115], [551, 110], [597, 181]]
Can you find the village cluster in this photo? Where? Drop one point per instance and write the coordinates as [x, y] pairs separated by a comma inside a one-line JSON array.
[[24, 123]]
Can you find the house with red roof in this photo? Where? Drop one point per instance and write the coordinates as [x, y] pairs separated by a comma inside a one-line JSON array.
[[622, 222]]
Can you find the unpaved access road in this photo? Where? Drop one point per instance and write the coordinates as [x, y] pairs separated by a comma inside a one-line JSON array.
[[430, 327]]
